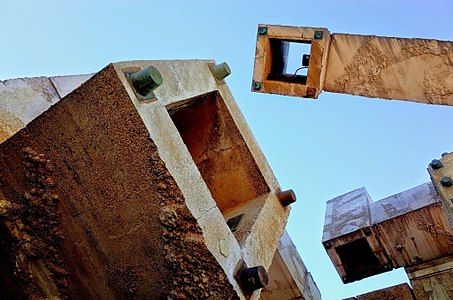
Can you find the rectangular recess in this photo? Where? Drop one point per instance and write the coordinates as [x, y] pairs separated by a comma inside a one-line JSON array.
[[221, 155]]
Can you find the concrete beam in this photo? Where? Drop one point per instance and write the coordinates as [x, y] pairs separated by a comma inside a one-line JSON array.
[[402, 230], [416, 70]]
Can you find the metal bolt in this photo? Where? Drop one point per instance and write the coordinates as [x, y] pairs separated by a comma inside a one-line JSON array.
[[262, 30], [345, 279], [254, 278], [436, 164], [221, 71], [318, 35], [256, 86], [145, 81], [446, 181], [445, 153], [286, 197], [367, 231], [311, 92], [327, 245]]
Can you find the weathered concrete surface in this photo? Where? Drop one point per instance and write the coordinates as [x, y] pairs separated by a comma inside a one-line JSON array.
[[66, 84], [22, 100], [398, 292], [391, 68], [288, 276], [416, 70], [91, 183], [264, 60], [347, 213], [446, 192], [433, 280], [404, 202], [399, 231]]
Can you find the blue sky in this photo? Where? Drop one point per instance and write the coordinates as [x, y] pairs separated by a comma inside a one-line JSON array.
[[319, 148]]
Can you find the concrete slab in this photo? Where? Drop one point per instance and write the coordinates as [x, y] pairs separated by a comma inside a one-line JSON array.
[[66, 84]]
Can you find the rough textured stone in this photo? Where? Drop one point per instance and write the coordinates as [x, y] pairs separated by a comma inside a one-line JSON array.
[[126, 234], [397, 292]]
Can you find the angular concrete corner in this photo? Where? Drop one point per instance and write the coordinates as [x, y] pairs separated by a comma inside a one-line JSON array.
[[105, 195], [402, 230], [288, 276]]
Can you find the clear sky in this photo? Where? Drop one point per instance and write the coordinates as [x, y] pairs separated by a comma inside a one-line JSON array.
[[319, 148]]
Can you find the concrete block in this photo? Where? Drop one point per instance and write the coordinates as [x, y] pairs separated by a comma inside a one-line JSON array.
[[22, 100], [272, 46], [288, 276], [398, 292], [433, 280], [66, 84], [141, 191], [444, 172], [390, 68], [402, 230]]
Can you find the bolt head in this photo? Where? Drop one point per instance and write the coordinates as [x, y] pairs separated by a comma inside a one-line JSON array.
[[286, 197], [262, 30], [311, 92], [327, 245], [221, 71], [445, 153], [436, 164], [367, 231], [256, 86], [318, 35], [254, 278], [446, 181]]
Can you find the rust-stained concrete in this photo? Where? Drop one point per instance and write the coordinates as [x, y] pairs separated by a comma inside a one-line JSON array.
[[365, 238], [133, 213], [398, 292], [391, 68], [407, 69], [446, 192]]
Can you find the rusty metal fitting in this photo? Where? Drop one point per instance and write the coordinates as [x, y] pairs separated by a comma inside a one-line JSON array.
[[327, 245], [446, 181], [311, 92], [254, 278], [436, 164], [221, 71], [367, 231], [286, 197]]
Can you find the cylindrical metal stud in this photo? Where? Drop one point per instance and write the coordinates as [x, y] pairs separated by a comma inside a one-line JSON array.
[[286, 197], [256, 86], [436, 164], [446, 181], [311, 92], [318, 35], [221, 71], [262, 30], [254, 278], [146, 80]]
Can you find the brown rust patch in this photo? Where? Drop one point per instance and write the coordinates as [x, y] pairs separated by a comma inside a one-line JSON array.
[[31, 229]]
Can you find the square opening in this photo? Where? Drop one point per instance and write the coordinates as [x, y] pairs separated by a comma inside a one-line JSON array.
[[289, 60], [222, 157], [358, 260]]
